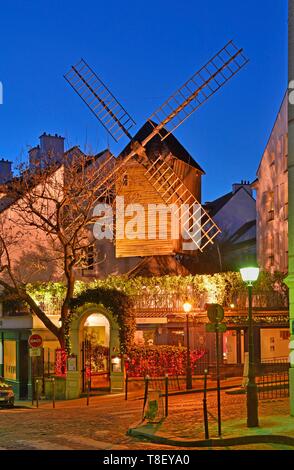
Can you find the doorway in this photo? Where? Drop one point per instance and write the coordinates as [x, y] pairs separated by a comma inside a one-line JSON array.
[[95, 353]]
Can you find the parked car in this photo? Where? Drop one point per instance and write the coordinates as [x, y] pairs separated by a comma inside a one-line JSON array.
[[6, 394]]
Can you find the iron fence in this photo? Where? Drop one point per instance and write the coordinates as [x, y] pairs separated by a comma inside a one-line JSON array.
[[273, 378]]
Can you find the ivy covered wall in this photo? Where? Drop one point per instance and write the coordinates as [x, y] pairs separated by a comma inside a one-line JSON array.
[[222, 288]]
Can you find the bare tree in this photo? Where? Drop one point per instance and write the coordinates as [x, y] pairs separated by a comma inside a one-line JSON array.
[[46, 229]]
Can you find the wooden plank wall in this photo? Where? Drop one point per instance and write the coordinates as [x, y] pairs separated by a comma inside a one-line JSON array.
[[139, 190]]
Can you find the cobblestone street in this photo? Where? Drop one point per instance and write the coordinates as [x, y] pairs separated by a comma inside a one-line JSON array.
[[103, 425]]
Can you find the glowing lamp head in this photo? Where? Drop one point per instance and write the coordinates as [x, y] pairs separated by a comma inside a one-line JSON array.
[[187, 307], [249, 275]]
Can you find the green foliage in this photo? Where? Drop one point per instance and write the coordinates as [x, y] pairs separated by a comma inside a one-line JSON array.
[[116, 293], [222, 288]]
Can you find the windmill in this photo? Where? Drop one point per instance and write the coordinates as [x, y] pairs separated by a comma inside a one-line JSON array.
[[169, 116]]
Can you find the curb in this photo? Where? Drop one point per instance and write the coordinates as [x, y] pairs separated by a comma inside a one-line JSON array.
[[197, 390], [222, 442]]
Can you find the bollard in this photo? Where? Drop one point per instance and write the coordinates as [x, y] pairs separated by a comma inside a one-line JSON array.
[[88, 391], [166, 395], [145, 393], [33, 391], [53, 392], [37, 392], [205, 416], [126, 386], [48, 362]]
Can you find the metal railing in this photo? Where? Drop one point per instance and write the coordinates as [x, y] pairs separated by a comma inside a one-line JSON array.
[[273, 378], [273, 385]]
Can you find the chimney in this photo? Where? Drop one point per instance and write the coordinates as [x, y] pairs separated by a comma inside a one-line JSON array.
[[34, 156], [50, 150], [5, 171], [51, 147], [244, 184]]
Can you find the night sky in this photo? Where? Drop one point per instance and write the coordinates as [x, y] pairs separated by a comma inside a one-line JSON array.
[[144, 51]]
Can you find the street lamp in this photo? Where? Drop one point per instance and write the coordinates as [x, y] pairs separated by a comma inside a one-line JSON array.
[[250, 275], [187, 309]]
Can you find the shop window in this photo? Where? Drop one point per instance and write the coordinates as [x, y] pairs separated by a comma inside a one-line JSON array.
[[284, 334], [10, 359]]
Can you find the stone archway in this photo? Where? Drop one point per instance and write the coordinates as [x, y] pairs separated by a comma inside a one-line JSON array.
[[77, 334]]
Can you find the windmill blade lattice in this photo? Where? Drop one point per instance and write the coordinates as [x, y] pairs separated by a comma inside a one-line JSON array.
[[100, 100], [187, 99], [198, 225], [198, 89]]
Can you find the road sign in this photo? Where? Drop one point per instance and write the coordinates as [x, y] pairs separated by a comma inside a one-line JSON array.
[[214, 327], [210, 327], [35, 352], [35, 341], [215, 313]]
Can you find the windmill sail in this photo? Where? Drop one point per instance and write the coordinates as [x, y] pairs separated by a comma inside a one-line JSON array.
[[174, 111], [100, 100], [199, 226], [198, 89]]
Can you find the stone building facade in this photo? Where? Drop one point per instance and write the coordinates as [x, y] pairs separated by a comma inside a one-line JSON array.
[[272, 198]]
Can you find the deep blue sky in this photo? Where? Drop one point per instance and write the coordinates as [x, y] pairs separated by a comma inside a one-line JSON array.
[[144, 51]]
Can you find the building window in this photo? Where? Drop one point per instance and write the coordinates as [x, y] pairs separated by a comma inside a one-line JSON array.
[[286, 145], [284, 334], [286, 260], [271, 215], [270, 205], [10, 359], [125, 180], [286, 211], [271, 260], [90, 257], [88, 260]]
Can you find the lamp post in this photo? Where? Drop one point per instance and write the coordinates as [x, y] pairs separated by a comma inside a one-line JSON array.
[[187, 309], [249, 275]]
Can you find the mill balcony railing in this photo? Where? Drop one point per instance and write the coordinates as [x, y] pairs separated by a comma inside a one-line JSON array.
[[173, 303], [168, 302]]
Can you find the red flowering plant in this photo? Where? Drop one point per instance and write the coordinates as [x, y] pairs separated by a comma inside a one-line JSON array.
[[60, 362], [156, 361]]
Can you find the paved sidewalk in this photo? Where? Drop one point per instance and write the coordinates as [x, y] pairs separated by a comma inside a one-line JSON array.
[[275, 431], [272, 431], [106, 421]]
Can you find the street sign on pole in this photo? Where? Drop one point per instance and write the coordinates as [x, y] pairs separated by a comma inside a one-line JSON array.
[[215, 313], [35, 341], [35, 352], [214, 327]]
